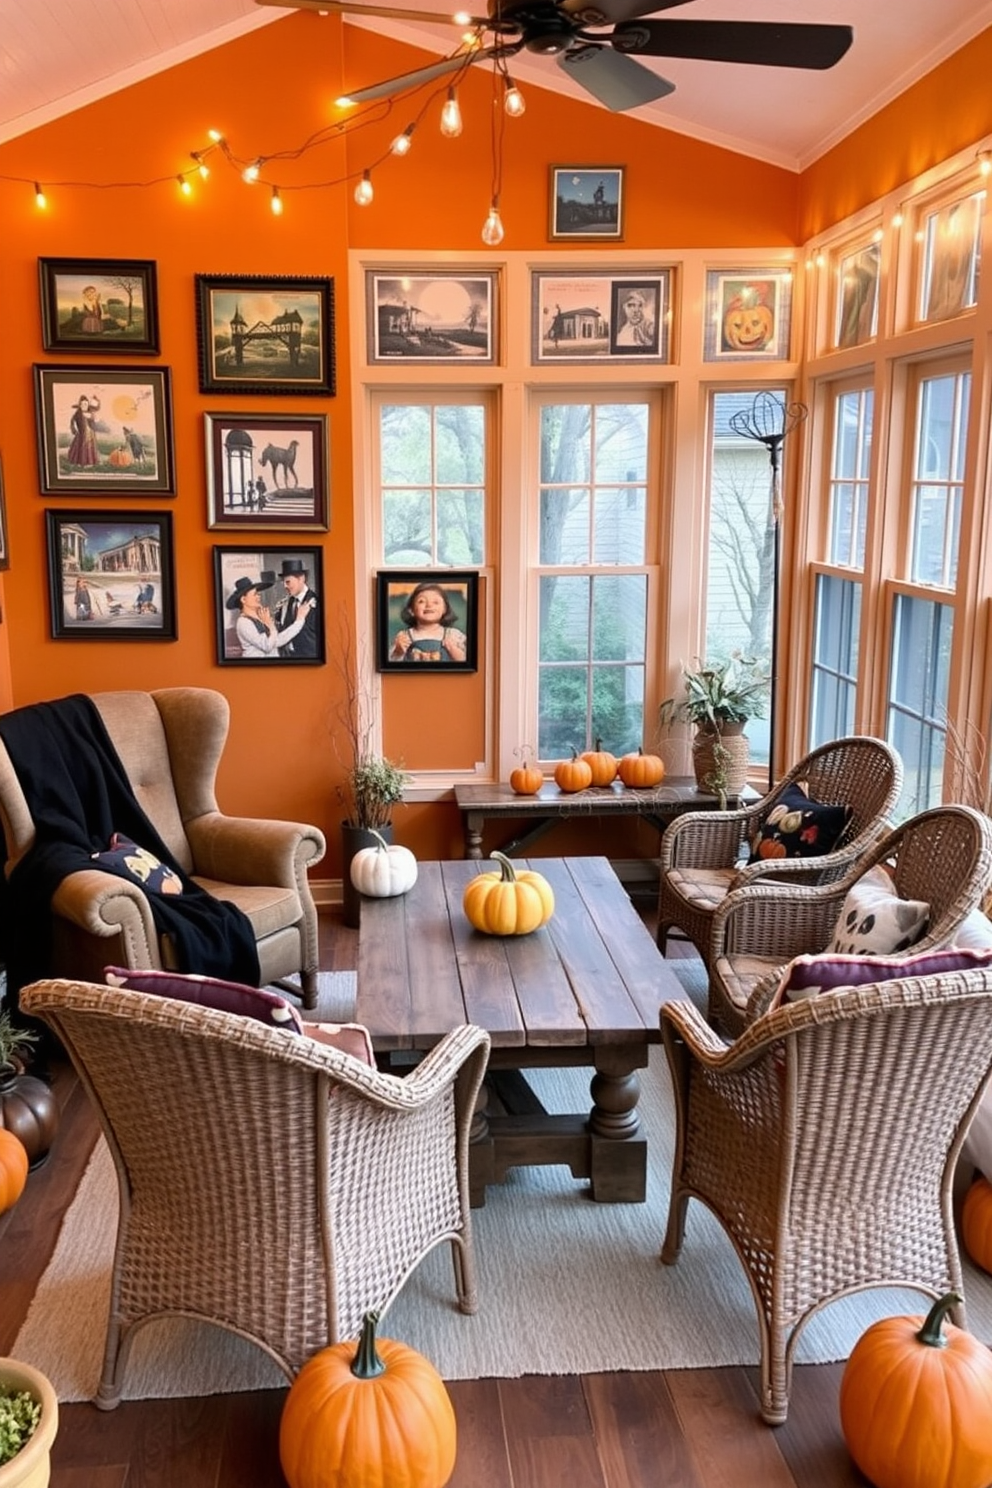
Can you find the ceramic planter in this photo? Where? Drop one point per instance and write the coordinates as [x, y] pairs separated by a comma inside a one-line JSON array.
[[31, 1468]]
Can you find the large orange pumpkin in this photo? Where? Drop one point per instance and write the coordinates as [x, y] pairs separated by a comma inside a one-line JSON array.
[[573, 774], [602, 763], [916, 1403], [377, 1416], [510, 902], [13, 1168], [641, 771], [976, 1223]]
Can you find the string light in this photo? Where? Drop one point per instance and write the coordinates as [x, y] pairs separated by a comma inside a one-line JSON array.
[[401, 144], [984, 158], [492, 228], [40, 199], [276, 202], [513, 99], [251, 172], [451, 117], [201, 164], [364, 191], [184, 186]]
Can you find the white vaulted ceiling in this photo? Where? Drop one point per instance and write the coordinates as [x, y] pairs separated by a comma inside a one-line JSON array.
[[56, 55]]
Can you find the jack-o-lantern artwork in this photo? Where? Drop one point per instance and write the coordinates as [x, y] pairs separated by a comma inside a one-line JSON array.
[[748, 315], [749, 320]]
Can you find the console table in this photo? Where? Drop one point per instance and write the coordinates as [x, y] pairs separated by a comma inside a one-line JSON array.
[[659, 805]]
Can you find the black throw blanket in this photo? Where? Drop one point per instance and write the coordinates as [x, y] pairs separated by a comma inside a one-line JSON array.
[[79, 795]]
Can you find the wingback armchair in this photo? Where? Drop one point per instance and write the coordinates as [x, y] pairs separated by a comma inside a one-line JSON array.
[[170, 743]]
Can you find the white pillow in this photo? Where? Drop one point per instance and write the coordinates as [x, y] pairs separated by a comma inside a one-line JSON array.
[[976, 932], [874, 921]]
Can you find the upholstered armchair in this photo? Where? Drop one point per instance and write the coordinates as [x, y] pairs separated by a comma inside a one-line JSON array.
[[170, 743], [940, 859], [825, 1139], [704, 854], [269, 1184]]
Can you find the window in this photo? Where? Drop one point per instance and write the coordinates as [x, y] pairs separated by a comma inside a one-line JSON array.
[[938, 477], [432, 474], [595, 525], [836, 633], [849, 473], [919, 673]]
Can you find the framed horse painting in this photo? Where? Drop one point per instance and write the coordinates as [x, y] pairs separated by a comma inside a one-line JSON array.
[[267, 470]]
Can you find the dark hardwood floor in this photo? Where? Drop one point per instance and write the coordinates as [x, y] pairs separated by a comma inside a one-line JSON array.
[[681, 1429]]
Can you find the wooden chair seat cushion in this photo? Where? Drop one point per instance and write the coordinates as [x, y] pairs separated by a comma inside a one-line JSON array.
[[704, 888]]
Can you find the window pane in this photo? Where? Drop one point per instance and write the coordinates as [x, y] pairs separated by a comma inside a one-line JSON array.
[[565, 618], [432, 464], [919, 675], [938, 476], [461, 445], [849, 474], [620, 526], [837, 629], [619, 610], [564, 525], [405, 444], [601, 622], [566, 432], [460, 522], [621, 431], [407, 537]]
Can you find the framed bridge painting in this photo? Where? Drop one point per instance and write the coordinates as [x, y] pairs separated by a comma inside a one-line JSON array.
[[267, 470], [265, 335]]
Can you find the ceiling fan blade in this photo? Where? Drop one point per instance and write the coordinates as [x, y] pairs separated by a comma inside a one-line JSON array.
[[765, 43], [617, 87], [407, 80], [608, 12], [391, 13]]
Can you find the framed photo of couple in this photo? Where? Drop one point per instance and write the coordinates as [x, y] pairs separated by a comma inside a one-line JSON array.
[[427, 621], [269, 606]]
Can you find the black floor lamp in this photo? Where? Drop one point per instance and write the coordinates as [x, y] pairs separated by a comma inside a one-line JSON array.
[[769, 420]]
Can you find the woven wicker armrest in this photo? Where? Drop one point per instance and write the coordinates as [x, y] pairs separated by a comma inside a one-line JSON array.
[[706, 839], [777, 920], [246, 850]]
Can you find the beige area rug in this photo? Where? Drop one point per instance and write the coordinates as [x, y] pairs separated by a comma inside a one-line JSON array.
[[566, 1286]]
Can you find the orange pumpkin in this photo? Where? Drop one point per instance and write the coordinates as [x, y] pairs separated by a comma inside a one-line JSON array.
[[916, 1403], [602, 763], [573, 774], [526, 780], [377, 1416], [640, 771], [976, 1223], [13, 1168], [121, 457]]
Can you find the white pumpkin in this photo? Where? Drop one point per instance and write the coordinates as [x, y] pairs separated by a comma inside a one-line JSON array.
[[382, 871]]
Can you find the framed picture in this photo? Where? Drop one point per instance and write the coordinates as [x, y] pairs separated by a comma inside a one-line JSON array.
[[106, 305], [748, 315], [950, 259], [447, 316], [111, 575], [269, 606], [857, 296], [585, 317], [265, 335], [267, 470], [104, 432], [427, 619], [4, 550], [586, 201]]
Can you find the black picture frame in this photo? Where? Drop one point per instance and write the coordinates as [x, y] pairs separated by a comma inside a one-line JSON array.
[[245, 455], [586, 201], [124, 438], [103, 305], [263, 569], [284, 337], [394, 591], [125, 562]]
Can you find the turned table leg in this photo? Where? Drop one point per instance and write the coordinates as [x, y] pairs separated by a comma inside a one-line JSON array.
[[618, 1155]]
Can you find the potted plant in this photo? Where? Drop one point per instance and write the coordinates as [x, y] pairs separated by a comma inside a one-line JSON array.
[[719, 697], [27, 1106], [29, 1419]]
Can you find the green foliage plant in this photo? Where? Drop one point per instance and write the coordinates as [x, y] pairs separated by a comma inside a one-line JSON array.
[[716, 693], [19, 1416], [13, 1040], [374, 786]]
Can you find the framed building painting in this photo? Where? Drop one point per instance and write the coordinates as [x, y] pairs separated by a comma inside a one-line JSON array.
[[584, 316], [586, 201], [444, 316], [262, 334], [111, 575], [267, 470], [427, 621], [269, 606], [104, 431], [748, 315], [104, 305]]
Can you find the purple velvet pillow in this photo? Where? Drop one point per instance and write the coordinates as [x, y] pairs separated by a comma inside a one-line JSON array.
[[229, 997], [808, 976]]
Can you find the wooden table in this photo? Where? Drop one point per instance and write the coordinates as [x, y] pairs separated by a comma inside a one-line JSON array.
[[584, 990], [659, 806]]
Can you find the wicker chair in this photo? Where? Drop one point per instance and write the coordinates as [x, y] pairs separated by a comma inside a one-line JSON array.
[[268, 1184], [942, 856], [825, 1139], [702, 852]]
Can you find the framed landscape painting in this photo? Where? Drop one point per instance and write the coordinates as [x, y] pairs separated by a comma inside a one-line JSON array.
[[447, 316], [267, 470], [104, 432], [258, 334], [111, 575], [586, 201], [106, 305]]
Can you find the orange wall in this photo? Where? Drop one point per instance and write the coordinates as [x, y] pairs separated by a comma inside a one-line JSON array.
[[281, 759], [947, 110]]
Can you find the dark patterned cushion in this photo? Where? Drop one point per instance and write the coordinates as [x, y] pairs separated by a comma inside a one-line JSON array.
[[142, 865], [797, 827]]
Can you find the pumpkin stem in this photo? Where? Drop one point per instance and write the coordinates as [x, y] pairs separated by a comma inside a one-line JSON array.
[[508, 871], [366, 1364], [930, 1333]]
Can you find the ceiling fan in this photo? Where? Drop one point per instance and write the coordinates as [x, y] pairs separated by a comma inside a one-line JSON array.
[[602, 62]]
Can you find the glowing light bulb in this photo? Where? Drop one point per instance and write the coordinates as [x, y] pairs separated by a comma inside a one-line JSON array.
[[276, 202], [201, 165], [513, 99], [250, 172], [344, 102], [40, 199], [184, 186], [401, 144], [363, 191], [492, 228], [451, 116], [897, 220], [462, 18], [216, 136], [985, 162]]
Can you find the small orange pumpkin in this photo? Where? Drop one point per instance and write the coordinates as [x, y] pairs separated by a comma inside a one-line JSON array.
[[640, 771], [976, 1223], [509, 902], [121, 457], [377, 1416], [13, 1168], [602, 763], [916, 1403], [573, 774], [526, 780]]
